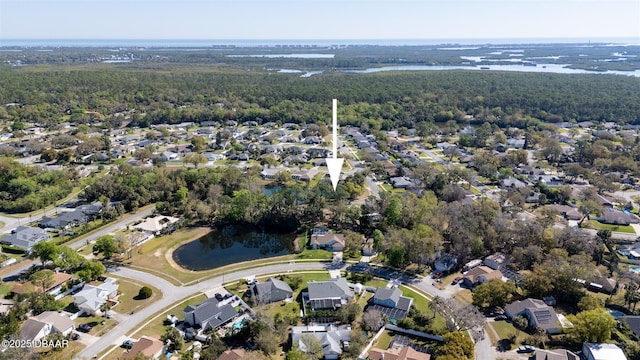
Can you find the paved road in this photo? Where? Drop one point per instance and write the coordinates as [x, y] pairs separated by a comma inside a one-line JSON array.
[[171, 294], [85, 239]]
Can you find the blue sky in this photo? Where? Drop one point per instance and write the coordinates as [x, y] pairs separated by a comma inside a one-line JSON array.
[[318, 19]]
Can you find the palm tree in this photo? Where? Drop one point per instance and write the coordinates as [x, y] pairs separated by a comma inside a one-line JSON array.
[[105, 307]]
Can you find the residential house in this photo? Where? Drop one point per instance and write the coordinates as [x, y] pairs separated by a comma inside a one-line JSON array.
[[403, 353], [209, 314], [146, 347], [5, 306], [539, 314], [497, 261], [401, 182], [515, 143], [592, 351], [568, 212], [59, 278], [390, 301], [558, 354], [64, 220], [270, 173], [604, 285], [367, 247], [328, 294], [446, 262], [327, 241], [634, 324], [158, 224], [90, 298], [232, 354], [616, 217], [334, 339], [272, 290], [25, 237], [48, 322], [480, 275]]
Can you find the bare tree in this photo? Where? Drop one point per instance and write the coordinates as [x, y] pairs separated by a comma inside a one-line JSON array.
[[373, 320]]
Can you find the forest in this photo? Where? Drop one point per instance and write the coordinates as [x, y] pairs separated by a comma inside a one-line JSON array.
[[49, 96]]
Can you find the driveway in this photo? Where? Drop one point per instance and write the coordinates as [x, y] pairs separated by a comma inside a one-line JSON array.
[[172, 294], [83, 240]]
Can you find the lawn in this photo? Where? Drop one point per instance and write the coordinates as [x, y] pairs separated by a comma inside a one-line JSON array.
[[99, 324], [5, 289], [384, 340], [66, 353], [156, 327], [620, 228], [150, 257], [464, 296], [505, 330], [128, 300]]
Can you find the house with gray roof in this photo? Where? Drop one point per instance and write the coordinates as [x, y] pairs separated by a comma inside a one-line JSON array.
[[391, 302], [334, 339], [47, 323], [272, 290], [209, 314], [328, 294], [327, 241], [557, 354], [616, 217], [539, 314], [90, 298], [25, 237], [634, 324]]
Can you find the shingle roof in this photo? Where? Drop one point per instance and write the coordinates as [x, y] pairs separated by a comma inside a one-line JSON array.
[[60, 322], [31, 328], [334, 288], [209, 314], [383, 294]]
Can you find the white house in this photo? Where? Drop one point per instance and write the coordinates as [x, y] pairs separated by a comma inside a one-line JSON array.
[[90, 298]]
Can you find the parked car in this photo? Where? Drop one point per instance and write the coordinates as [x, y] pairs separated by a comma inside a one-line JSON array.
[[218, 296], [75, 336], [526, 349], [127, 344], [456, 281], [501, 317], [84, 328], [436, 275]]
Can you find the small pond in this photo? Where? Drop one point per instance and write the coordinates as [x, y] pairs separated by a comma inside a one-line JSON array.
[[231, 245]]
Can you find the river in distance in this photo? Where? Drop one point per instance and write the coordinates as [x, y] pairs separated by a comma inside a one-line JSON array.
[[230, 245]]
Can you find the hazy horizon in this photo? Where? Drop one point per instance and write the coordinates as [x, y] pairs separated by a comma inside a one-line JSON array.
[[100, 42], [319, 19]]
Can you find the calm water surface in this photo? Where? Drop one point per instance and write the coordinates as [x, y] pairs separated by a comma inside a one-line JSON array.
[[231, 245]]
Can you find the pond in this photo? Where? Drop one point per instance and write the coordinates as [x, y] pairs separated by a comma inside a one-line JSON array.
[[231, 245]]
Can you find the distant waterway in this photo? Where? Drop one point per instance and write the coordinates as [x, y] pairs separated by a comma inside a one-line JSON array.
[[539, 68], [231, 245]]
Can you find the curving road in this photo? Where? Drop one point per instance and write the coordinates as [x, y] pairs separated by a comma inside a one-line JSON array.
[[110, 228], [172, 294]]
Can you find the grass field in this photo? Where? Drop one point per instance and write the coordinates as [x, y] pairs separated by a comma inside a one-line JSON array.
[[128, 297], [150, 257], [505, 330], [619, 228]]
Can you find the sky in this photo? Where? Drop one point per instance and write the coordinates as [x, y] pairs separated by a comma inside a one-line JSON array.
[[319, 19]]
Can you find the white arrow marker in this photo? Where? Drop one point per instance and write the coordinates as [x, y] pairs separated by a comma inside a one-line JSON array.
[[334, 164]]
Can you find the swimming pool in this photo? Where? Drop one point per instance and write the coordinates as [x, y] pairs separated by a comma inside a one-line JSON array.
[[635, 269], [616, 313]]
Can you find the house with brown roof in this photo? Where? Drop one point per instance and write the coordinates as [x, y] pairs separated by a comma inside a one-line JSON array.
[[404, 353], [480, 275], [147, 347], [232, 354], [59, 279]]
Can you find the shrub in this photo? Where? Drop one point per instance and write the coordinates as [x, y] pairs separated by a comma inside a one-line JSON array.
[[145, 292]]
